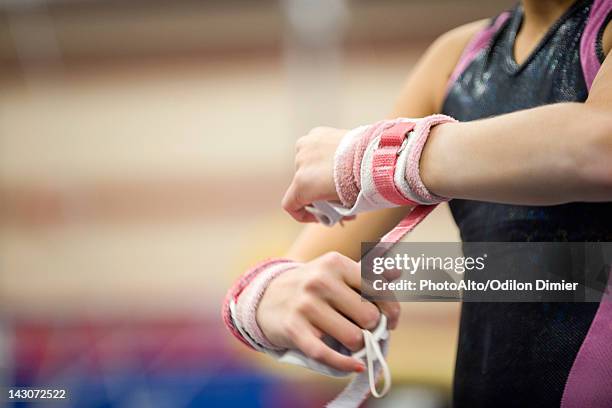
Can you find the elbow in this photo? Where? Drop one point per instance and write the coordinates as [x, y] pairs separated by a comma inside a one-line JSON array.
[[595, 162]]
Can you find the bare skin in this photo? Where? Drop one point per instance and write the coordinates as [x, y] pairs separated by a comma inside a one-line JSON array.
[[536, 160]]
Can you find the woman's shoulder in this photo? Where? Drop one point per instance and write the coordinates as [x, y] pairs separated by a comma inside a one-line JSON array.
[[426, 86], [444, 53], [458, 37], [607, 38]]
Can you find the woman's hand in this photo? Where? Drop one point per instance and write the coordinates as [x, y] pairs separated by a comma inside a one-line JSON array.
[[314, 172], [321, 297]]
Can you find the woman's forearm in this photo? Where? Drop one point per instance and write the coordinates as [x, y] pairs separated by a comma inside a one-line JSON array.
[[542, 156]]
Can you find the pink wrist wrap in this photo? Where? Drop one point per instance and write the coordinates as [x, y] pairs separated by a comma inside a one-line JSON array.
[[400, 145], [362, 145], [245, 295], [345, 153], [413, 171]]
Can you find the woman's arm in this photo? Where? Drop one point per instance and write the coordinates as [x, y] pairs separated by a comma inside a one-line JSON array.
[[547, 155], [421, 95], [543, 156], [320, 296]]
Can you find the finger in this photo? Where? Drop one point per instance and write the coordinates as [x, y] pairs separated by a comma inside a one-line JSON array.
[[392, 274], [345, 295], [329, 321], [348, 269], [353, 305], [390, 306], [314, 348], [386, 302], [392, 310], [292, 204], [350, 303], [303, 215], [290, 201]]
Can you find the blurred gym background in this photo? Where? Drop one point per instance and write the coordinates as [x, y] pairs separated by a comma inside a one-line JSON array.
[[144, 149]]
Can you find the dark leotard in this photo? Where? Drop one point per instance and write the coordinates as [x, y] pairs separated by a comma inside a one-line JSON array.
[[521, 354]]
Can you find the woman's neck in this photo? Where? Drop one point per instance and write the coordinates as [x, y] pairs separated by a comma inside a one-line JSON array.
[[543, 13], [538, 17]]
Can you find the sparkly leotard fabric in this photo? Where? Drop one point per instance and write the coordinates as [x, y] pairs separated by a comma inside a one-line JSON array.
[[520, 354]]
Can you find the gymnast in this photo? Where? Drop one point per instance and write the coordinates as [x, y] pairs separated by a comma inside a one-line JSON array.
[[514, 129]]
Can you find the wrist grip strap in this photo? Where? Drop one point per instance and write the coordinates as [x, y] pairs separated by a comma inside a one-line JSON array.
[[254, 338], [385, 159]]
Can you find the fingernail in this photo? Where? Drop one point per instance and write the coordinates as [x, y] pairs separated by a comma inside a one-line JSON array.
[[360, 368]]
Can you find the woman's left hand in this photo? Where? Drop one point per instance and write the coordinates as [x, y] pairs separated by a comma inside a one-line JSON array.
[[313, 179]]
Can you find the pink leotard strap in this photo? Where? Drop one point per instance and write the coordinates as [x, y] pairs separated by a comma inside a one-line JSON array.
[[478, 43], [590, 379], [588, 43]]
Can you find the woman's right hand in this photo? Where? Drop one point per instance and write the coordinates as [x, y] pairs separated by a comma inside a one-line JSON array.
[[321, 297]]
